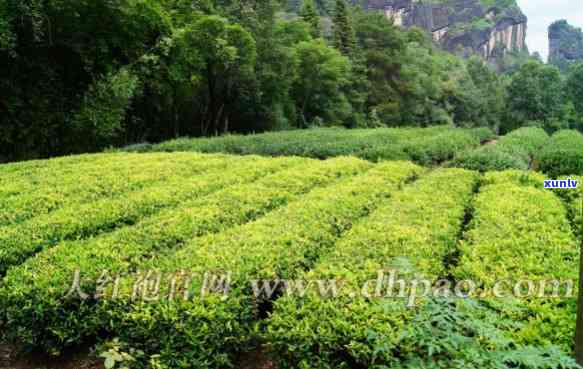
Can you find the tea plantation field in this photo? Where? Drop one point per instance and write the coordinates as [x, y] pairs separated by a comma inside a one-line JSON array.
[[121, 246], [529, 147]]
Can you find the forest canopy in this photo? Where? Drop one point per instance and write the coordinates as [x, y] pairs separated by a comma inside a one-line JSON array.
[[84, 75]]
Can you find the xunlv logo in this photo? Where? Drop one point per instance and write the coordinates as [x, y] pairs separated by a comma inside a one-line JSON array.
[[563, 183]]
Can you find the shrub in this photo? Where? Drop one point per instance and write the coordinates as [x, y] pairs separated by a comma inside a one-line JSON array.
[[85, 220], [563, 155], [107, 179], [521, 232], [483, 134], [277, 246], [488, 158], [513, 151], [413, 232], [425, 145], [154, 238], [438, 149], [524, 142]]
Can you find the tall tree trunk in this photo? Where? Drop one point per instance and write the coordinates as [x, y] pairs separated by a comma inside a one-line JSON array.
[[218, 119], [210, 119], [226, 124]]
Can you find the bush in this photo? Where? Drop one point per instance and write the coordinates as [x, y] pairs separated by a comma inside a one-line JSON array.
[[141, 147], [524, 143], [563, 155], [424, 145], [162, 189], [107, 177], [488, 158], [521, 232], [483, 134], [151, 243], [277, 246], [443, 147], [513, 151], [413, 232]]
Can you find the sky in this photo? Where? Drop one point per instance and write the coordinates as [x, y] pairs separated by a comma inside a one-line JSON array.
[[541, 13]]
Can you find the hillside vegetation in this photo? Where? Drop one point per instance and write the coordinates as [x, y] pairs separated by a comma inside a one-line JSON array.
[[162, 69], [424, 145], [112, 222], [524, 148]]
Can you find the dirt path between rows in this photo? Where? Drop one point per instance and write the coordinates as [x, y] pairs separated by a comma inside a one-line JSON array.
[[490, 142], [10, 360]]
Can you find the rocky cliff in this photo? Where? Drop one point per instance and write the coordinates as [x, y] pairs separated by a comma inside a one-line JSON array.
[[489, 28], [565, 44]]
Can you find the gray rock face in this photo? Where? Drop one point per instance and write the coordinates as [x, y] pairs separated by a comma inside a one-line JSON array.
[[566, 44], [462, 26]]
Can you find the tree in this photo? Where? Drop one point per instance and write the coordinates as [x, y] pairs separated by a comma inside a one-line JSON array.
[[227, 55], [344, 36], [52, 52], [103, 111], [536, 94], [322, 73], [309, 14], [381, 46], [575, 87], [489, 92]]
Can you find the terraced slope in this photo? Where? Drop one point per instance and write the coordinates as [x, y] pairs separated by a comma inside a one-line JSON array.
[[195, 258]]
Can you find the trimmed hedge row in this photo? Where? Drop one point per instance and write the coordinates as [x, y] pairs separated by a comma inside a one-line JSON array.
[[563, 155], [413, 232], [14, 169], [73, 186], [513, 151], [440, 148], [317, 143], [33, 295], [424, 145], [212, 330], [207, 175], [24, 176], [488, 158], [521, 232]]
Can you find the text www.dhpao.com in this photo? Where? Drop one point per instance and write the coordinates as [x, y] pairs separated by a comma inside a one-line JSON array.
[[388, 284]]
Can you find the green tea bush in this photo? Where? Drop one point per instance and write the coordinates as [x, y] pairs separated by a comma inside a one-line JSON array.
[[413, 232], [524, 142], [483, 134], [206, 176], [443, 147], [521, 232], [488, 158], [430, 145], [152, 238], [18, 178], [563, 155], [513, 151], [277, 246], [77, 185]]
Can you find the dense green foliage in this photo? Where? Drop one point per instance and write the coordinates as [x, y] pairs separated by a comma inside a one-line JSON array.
[[516, 150], [68, 220], [414, 231], [256, 249], [566, 43], [118, 216], [426, 146], [162, 69], [563, 155], [575, 89], [521, 231]]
